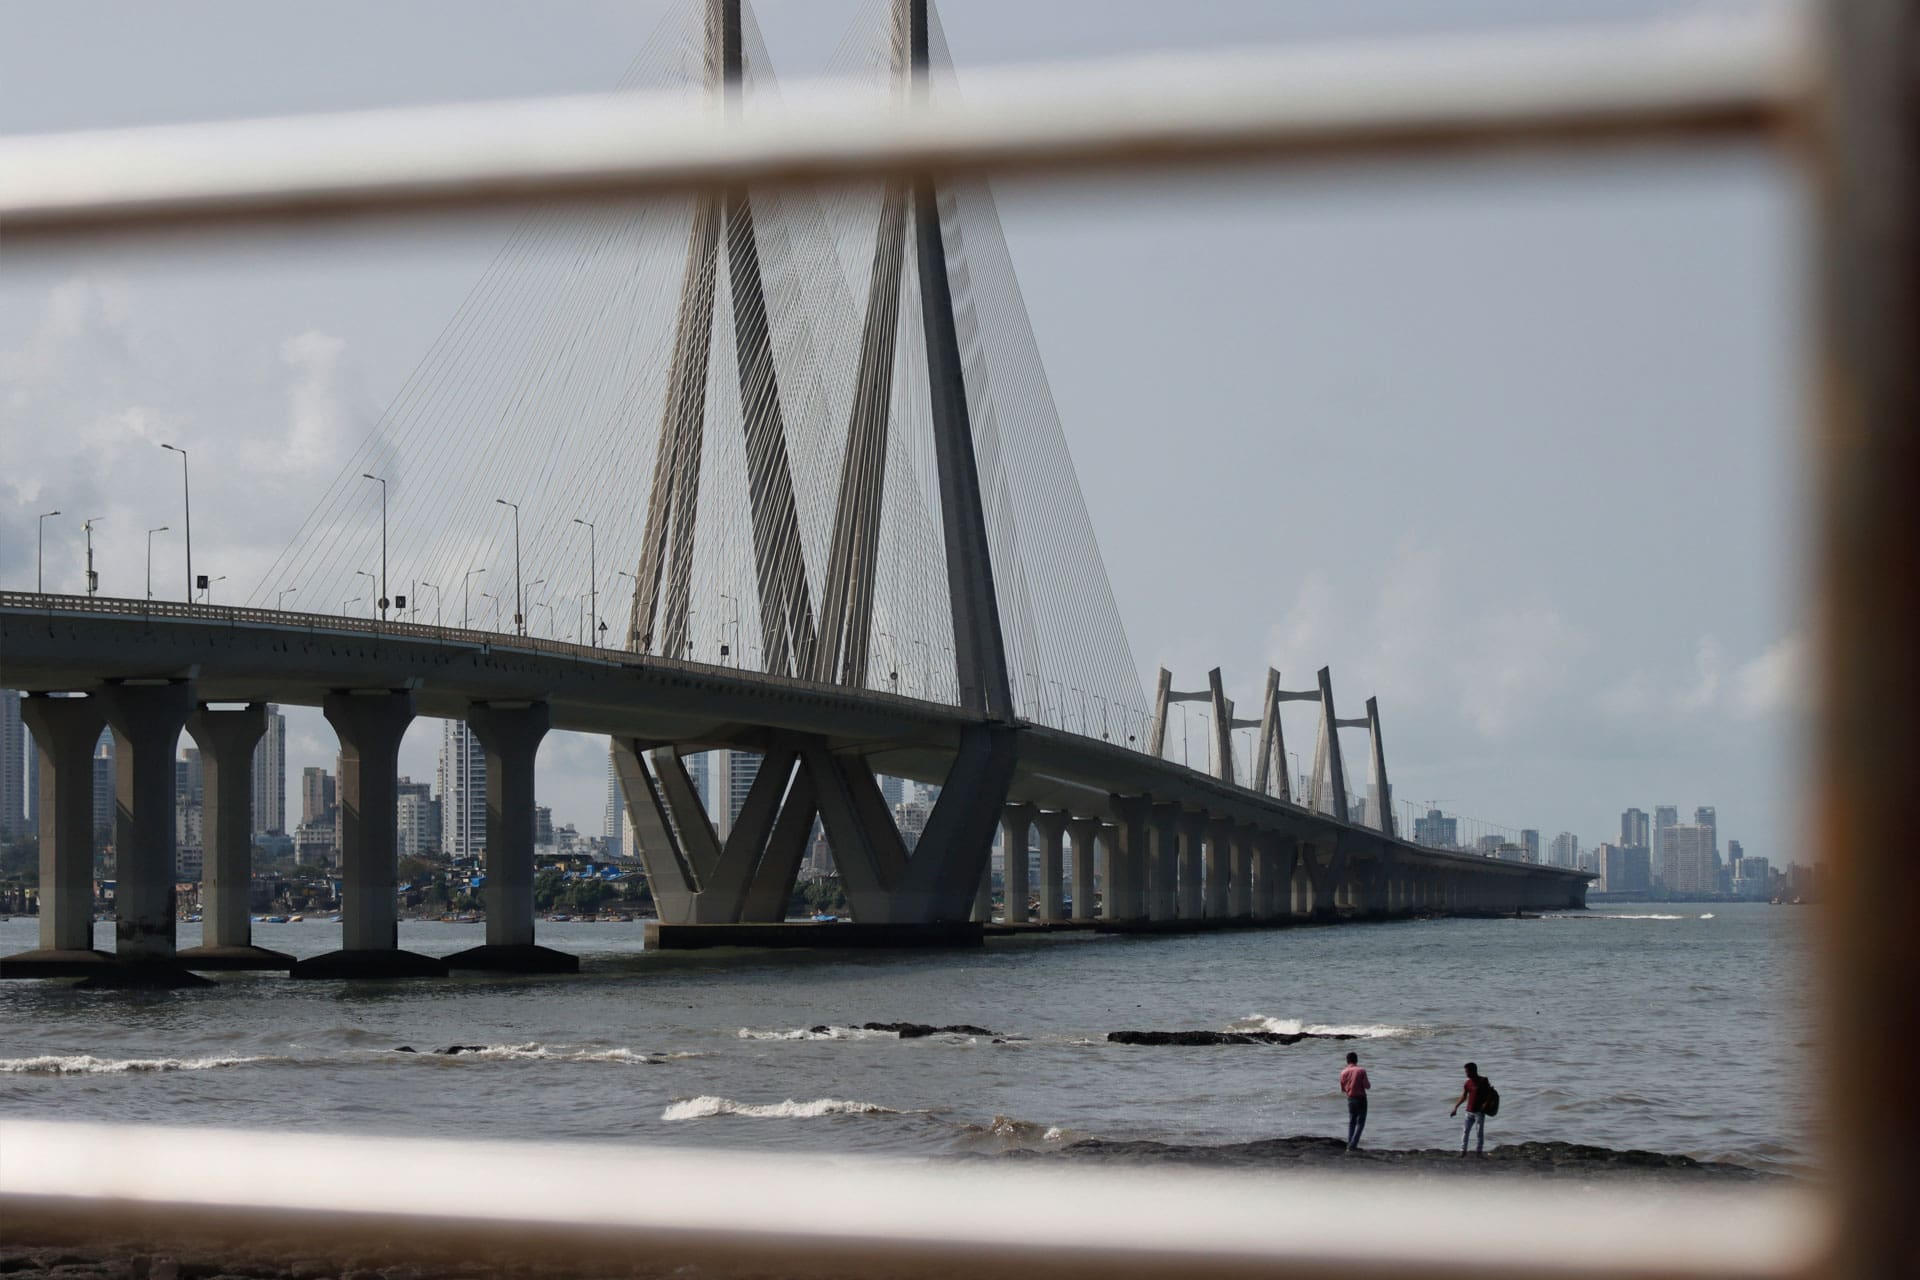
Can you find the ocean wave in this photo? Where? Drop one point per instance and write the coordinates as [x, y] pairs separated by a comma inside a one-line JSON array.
[[535, 1051], [85, 1064], [818, 1033], [1296, 1027], [709, 1105]]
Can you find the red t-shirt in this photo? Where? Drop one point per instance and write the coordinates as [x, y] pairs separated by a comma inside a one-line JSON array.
[[1473, 1095], [1354, 1082]]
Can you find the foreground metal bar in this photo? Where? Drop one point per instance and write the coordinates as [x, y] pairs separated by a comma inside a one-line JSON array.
[[1867, 446], [1573, 86], [724, 1210]]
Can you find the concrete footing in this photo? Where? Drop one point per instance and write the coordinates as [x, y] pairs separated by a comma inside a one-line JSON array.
[[691, 937], [54, 962], [372, 963], [141, 975], [233, 959], [500, 958]]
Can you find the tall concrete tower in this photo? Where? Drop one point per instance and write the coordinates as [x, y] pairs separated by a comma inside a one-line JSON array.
[[270, 776], [463, 793], [13, 767]]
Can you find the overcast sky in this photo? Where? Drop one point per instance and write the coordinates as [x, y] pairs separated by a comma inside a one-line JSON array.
[[1510, 446]]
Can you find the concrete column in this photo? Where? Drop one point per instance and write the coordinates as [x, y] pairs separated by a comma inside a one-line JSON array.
[[509, 734], [983, 896], [226, 739], [1053, 830], [1190, 893], [1240, 873], [1219, 869], [370, 724], [1128, 853], [64, 733], [1086, 836], [1163, 864], [1013, 858], [1284, 857], [147, 718]]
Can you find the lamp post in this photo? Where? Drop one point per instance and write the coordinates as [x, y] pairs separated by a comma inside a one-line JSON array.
[[436, 601], [348, 604], [209, 589], [593, 582], [279, 599], [726, 650], [633, 636], [150, 533], [488, 595], [93, 579], [383, 540], [186, 498], [465, 584], [530, 586], [373, 583], [519, 612], [40, 555]]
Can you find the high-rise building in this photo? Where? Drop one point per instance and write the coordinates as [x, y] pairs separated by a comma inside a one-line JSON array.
[[1665, 817], [1565, 850], [270, 776], [33, 788], [1624, 869], [733, 773], [542, 824], [463, 793], [1530, 841], [1704, 817], [316, 797], [13, 767], [1635, 829], [103, 780], [1752, 877], [1735, 852], [613, 828], [1436, 830], [1685, 861], [418, 815]]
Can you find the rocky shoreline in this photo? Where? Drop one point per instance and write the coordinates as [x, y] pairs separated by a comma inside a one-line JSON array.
[[1560, 1160]]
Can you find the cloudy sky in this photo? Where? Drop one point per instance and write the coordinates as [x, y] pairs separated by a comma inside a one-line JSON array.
[[1511, 446]]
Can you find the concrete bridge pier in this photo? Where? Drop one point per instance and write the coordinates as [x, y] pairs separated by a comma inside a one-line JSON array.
[[1087, 836], [1241, 856], [1324, 869], [1053, 830], [983, 896], [1267, 889], [1189, 899], [64, 733], [1219, 869], [147, 717], [227, 739], [370, 724], [1163, 864], [1015, 822], [509, 734], [1283, 855], [1128, 852]]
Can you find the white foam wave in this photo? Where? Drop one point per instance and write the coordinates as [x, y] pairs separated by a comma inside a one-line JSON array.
[[1622, 916], [818, 1033], [535, 1051], [709, 1105], [85, 1064], [1707, 916], [1295, 1027]]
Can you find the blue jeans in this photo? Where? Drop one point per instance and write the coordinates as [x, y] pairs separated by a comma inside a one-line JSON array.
[[1475, 1120], [1356, 1121]]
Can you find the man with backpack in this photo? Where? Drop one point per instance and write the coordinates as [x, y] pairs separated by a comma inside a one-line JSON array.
[[1354, 1083], [1482, 1100]]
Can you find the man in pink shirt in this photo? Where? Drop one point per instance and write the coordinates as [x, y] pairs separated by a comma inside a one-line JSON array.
[[1354, 1083]]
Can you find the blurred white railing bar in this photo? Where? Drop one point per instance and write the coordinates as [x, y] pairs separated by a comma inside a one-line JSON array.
[[788, 1214], [1728, 76]]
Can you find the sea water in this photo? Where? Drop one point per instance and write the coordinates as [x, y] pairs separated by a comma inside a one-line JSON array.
[[1677, 1028]]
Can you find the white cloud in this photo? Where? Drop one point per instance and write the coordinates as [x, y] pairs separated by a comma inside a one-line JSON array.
[[1779, 679]]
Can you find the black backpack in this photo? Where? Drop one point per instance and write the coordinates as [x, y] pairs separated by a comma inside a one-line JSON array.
[[1488, 1097]]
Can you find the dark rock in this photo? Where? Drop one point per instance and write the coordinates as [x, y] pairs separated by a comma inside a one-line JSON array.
[[406, 1048], [821, 1030], [461, 1048], [1188, 1038], [916, 1030]]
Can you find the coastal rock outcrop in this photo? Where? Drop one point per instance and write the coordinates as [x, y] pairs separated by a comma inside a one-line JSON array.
[[1189, 1038]]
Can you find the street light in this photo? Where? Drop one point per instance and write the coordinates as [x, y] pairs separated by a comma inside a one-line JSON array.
[[465, 584], [208, 599], [373, 583], [186, 496], [436, 601], [150, 533], [593, 582], [488, 595], [281, 598], [348, 604], [40, 556], [93, 579], [383, 540], [519, 612], [633, 636]]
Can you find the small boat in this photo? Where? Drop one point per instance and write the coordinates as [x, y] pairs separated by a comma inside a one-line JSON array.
[[273, 919], [295, 919]]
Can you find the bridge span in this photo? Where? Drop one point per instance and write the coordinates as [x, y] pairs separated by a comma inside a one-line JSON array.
[[1153, 843]]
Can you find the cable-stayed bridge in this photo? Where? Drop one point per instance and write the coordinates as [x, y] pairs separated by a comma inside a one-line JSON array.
[[776, 472]]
